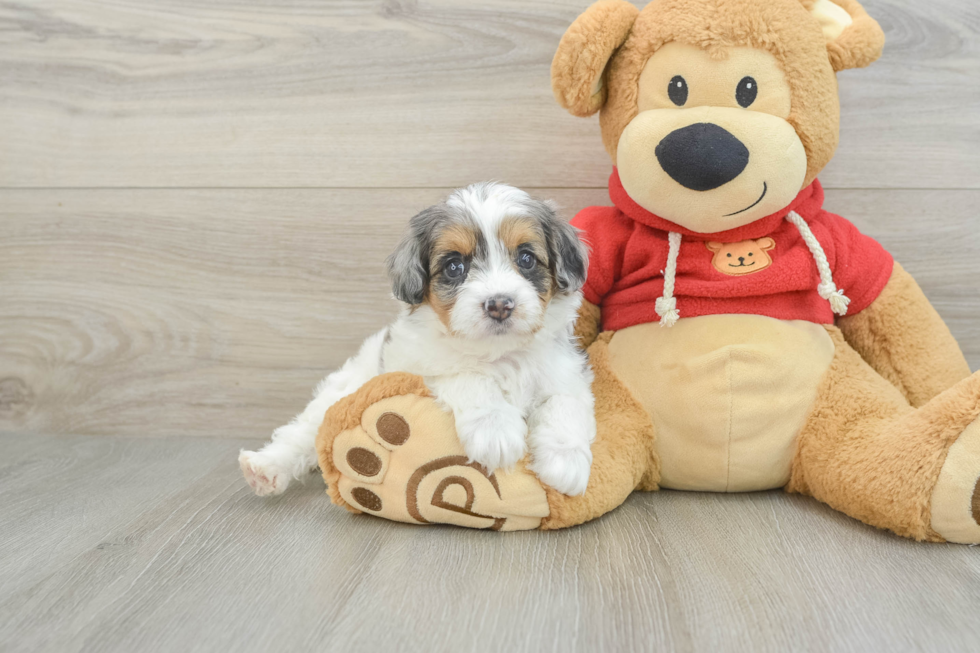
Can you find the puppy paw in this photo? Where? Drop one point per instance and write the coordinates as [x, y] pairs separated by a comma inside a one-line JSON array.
[[263, 475], [495, 438], [566, 470]]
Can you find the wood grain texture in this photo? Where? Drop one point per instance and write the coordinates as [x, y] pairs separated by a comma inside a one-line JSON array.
[[214, 312], [401, 93], [165, 549]]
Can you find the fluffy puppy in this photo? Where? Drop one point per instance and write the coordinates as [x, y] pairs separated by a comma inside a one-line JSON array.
[[491, 280]]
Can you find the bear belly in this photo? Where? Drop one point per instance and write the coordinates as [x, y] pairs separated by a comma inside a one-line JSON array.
[[728, 395]]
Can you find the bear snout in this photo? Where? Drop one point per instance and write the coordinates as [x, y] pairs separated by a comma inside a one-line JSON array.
[[702, 156]]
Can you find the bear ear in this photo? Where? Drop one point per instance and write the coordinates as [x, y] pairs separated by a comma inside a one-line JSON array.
[[854, 39], [766, 244], [713, 246], [585, 49]]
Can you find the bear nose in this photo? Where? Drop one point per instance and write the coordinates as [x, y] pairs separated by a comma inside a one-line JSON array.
[[702, 156], [499, 307], [741, 259]]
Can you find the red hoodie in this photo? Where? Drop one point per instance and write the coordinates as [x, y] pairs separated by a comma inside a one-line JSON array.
[[629, 254]]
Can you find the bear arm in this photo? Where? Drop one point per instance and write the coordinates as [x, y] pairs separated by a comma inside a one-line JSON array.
[[905, 340], [588, 325]]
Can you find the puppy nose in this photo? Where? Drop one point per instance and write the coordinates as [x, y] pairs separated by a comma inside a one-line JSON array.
[[499, 307], [702, 156]]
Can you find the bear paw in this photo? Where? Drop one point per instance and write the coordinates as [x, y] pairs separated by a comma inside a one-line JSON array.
[[400, 458], [955, 509]]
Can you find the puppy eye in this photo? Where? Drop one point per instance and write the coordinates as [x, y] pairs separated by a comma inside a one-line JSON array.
[[746, 92], [677, 90], [455, 268], [526, 261]]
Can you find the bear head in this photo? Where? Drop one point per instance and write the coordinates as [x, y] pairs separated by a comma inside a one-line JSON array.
[[716, 113]]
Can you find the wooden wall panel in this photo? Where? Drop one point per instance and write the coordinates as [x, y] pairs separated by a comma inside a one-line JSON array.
[[401, 93]]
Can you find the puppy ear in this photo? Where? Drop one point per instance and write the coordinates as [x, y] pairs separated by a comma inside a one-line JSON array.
[[854, 39], [408, 265], [567, 254], [585, 49], [713, 246]]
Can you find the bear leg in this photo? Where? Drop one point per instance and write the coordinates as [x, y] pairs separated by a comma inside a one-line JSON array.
[[391, 451], [867, 452], [623, 455]]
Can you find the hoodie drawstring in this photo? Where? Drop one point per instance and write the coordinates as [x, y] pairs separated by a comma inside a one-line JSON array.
[[827, 288], [666, 305]]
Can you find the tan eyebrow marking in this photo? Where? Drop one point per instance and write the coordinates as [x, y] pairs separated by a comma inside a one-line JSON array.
[[514, 232]]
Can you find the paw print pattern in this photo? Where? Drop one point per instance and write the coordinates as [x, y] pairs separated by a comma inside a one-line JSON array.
[[404, 462]]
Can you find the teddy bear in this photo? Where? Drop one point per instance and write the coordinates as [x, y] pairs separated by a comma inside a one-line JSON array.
[[742, 338]]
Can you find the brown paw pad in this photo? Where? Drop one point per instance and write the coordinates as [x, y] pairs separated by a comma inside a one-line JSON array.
[[366, 499], [360, 458], [393, 429], [364, 462]]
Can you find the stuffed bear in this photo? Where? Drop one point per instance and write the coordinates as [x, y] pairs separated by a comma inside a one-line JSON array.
[[742, 337]]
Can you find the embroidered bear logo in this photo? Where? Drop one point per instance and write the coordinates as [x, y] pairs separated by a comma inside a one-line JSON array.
[[746, 257]]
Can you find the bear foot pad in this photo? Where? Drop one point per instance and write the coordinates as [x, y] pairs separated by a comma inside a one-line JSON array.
[[955, 510], [402, 460]]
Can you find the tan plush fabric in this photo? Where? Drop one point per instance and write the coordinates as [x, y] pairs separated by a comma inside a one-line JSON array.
[[866, 452], [860, 44], [623, 454], [903, 338], [728, 395], [955, 507], [578, 65], [588, 325]]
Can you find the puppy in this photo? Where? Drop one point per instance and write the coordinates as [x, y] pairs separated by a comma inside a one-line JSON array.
[[491, 279]]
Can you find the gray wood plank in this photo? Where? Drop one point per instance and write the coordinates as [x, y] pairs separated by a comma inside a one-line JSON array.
[[214, 312], [210, 567], [43, 523], [401, 93]]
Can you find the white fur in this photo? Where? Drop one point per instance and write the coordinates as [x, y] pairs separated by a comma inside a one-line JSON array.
[[524, 385]]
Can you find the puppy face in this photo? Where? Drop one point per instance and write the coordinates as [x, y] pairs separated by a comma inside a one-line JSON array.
[[488, 261]]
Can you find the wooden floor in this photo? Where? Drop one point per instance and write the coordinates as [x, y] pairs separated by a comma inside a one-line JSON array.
[[154, 544], [196, 197]]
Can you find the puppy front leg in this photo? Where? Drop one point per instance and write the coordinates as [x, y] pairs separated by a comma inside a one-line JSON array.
[[561, 433], [292, 452], [492, 431]]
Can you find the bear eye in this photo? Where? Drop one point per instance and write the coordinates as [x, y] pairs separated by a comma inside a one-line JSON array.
[[746, 92], [677, 90], [729, 254], [751, 254]]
